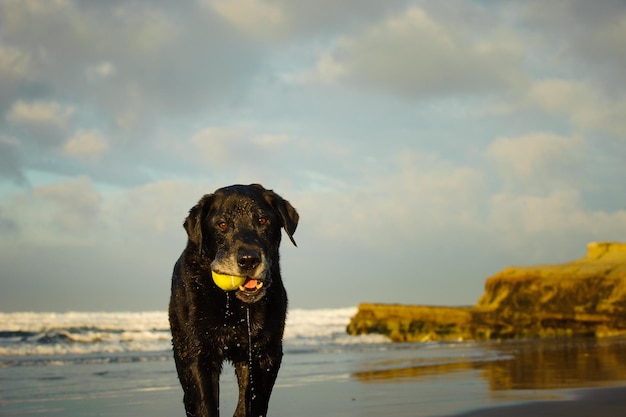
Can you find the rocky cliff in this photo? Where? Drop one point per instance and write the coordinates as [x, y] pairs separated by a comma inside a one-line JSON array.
[[585, 297]]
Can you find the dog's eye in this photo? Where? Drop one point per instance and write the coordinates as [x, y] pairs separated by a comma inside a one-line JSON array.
[[223, 226], [262, 220]]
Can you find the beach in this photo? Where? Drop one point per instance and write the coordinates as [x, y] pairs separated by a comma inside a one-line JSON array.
[[324, 372], [439, 395]]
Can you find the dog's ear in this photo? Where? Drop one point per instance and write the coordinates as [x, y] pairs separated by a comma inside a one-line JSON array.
[[194, 223], [287, 213]]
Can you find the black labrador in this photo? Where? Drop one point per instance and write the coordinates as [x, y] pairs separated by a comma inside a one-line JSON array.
[[234, 231]]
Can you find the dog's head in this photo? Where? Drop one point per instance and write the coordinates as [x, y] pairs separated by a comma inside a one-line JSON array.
[[238, 228]]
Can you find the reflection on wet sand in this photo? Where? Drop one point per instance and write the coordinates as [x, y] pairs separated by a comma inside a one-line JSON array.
[[528, 364]]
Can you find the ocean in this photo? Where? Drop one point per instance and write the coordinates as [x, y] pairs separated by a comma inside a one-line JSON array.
[[120, 364], [49, 339]]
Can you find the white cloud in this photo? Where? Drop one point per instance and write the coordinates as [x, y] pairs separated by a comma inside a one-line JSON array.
[[134, 59], [327, 71], [133, 214], [75, 212], [217, 144], [423, 200], [540, 158], [372, 175], [536, 222], [71, 213], [155, 30], [14, 62], [101, 71], [10, 168], [60, 213], [255, 17], [75, 202], [86, 143], [524, 215], [585, 106], [413, 54], [580, 38], [225, 146], [271, 142], [40, 113], [401, 198]]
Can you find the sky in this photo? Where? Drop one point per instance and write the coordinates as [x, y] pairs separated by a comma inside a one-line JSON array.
[[426, 145]]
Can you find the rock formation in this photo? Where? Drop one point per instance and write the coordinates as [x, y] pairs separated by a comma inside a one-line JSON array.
[[585, 297]]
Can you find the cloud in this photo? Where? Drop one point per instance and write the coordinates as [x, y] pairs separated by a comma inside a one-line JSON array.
[[585, 106], [128, 71], [8, 226], [15, 67], [427, 200], [86, 144], [438, 140], [252, 154], [538, 159], [39, 123], [222, 146], [14, 63], [327, 71], [75, 203], [134, 216], [536, 224], [399, 198], [579, 38], [44, 113], [255, 17], [227, 146], [76, 212], [57, 214], [271, 142], [285, 20], [412, 54], [100, 71], [69, 48], [10, 166]]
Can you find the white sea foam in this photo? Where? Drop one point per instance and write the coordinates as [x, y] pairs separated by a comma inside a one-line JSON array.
[[42, 322], [28, 334], [323, 327]]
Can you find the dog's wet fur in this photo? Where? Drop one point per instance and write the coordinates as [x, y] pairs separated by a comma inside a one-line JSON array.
[[234, 231]]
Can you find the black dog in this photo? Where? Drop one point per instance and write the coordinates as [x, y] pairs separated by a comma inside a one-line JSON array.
[[235, 231]]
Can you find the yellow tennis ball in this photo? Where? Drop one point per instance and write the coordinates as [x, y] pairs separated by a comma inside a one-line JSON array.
[[227, 282]]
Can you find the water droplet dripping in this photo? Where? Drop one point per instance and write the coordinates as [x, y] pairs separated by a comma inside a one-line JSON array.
[[228, 312], [252, 396]]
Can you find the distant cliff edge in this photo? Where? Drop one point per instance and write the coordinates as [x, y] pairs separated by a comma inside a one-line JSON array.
[[585, 297]]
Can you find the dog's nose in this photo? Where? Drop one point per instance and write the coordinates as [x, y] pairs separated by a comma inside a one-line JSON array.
[[248, 259]]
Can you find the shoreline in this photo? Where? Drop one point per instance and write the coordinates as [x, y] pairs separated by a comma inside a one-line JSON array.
[[345, 398], [583, 377]]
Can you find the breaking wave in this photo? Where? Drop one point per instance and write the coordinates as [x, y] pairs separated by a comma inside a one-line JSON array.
[[56, 338]]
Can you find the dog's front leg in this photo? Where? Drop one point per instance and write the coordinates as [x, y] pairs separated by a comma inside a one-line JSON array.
[[255, 386], [201, 389], [242, 370]]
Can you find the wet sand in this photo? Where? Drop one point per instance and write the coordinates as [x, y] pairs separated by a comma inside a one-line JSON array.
[[346, 398], [571, 378], [604, 402]]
